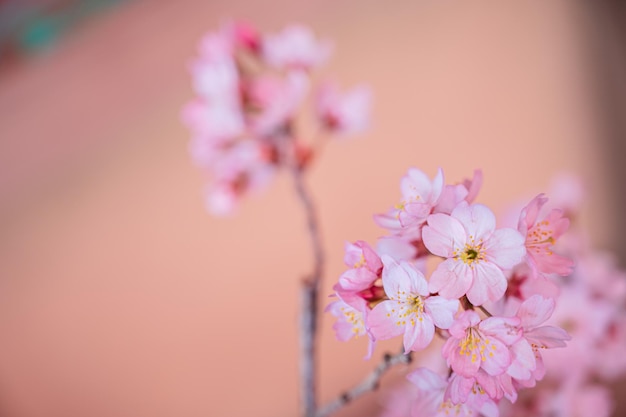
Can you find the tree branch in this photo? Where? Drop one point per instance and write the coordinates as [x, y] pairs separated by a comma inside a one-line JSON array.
[[309, 300], [370, 383]]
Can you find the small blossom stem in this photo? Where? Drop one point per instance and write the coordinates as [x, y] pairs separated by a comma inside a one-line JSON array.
[[465, 303], [309, 300], [370, 383], [485, 311]]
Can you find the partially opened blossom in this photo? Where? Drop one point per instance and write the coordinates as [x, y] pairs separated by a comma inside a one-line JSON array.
[[410, 310], [419, 197], [454, 194], [541, 235], [360, 282], [476, 253], [344, 113]]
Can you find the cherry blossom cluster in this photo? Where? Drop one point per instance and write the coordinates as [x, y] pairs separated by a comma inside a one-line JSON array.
[[592, 308], [486, 303], [252, 93]]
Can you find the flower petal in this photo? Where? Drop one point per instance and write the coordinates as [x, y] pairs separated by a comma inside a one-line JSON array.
[[443, 234], [478, 220], [451, 279]]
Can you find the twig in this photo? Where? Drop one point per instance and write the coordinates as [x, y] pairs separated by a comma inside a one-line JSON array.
[[309, 300], [485, 311], [370, 383]]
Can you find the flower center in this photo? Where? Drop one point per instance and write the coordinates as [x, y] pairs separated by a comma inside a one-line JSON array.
[[471, 254], [475, 346]]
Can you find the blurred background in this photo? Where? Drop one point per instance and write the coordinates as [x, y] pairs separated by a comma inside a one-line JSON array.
[[120, 296]]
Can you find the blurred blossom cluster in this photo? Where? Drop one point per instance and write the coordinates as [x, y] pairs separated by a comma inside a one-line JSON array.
[[495, 302], [255, 96]]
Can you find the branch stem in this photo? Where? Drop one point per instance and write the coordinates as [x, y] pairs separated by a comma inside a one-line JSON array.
[[309, 299], [370, 383]]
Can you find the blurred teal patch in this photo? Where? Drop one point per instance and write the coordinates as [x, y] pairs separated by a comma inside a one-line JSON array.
[[34, 28]]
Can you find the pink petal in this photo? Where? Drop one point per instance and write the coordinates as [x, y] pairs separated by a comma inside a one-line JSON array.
[[401, 279], [478, 220], [388, 221], [420, 335], [505, 248], [466, 365], [438, 186], [529, 214], [443, 234], [548, 336], [473, 186], [441, 310], [459, 388], [506, 329], [357, 279], [489, 284], [451, 279], [382, 321], [498, 358], [427, 380], [523, 360], [535, 310], [415, 186]]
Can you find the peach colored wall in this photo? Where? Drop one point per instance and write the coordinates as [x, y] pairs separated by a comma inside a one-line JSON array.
[[120, 296]]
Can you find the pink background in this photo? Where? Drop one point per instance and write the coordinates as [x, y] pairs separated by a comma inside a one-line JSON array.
[[120, 296]]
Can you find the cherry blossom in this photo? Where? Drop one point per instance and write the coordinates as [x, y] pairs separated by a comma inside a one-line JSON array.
[[410, 310], [541, 235], [480, 344], [295, 47], [431, 400], [344, 113], [419, 197], [476, 253]]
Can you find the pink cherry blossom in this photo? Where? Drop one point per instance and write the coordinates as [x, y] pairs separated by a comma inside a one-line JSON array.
[[453, 195], [432, 402], [572, 398], [360, 284], [217, 81], [410, 310], [523, 285], [221, 124], [527, 365], [419, 196], [344, 113], [295, 47], [461, 388], [480, 344], [279, 100], [541, 235], [476, 253], [586, 319], [350, 322]]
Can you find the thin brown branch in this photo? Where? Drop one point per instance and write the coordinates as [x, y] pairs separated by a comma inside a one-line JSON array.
[[485, 311], [370, 383], [309, 299]]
